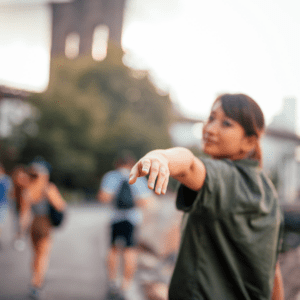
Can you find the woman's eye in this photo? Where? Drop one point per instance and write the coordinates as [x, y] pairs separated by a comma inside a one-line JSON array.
[[226, 123], [211, 118]]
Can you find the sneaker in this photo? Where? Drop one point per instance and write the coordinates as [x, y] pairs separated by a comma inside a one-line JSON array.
[[113, 292], [35, 293]]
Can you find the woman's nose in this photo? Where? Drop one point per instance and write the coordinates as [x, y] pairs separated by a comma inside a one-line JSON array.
[[212, 127]]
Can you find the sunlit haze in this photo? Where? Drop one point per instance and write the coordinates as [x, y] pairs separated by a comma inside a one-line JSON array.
[[194, 49]]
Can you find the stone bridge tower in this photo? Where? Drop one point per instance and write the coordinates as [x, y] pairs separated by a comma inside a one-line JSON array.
[[82, 17]]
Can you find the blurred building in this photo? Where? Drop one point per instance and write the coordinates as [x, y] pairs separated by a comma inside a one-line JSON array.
[[280, 146], [13, 110], [79, 27], [185, 131], [281, 152], [10, 93], [285, 121], [76, 24]]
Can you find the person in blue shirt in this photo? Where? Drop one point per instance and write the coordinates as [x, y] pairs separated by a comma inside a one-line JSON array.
[[5, 187], [124, 222]]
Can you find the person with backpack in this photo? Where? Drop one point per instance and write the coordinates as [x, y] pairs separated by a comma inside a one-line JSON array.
[[126, 201], [36, 200]]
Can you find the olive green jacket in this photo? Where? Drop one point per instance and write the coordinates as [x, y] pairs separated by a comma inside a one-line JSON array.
[[230, 234]]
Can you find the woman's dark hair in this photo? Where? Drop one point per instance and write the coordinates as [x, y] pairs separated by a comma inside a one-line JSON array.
[[244, 110]]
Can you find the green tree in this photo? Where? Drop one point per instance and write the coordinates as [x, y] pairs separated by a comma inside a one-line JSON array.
[[90, 111]]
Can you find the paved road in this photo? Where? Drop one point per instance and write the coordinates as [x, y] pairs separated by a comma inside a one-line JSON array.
[[290, 267], [77, 265]]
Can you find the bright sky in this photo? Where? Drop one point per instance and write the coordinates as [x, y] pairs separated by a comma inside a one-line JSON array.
[[195, 49]]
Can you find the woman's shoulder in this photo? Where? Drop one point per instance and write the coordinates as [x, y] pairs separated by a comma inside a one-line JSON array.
[[224, 166], [52, 187], [219, 166], [226, 173]]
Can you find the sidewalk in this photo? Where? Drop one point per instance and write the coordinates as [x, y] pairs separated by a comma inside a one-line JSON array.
[[159, 242], [290, 268], [77, 268], [77, 265]]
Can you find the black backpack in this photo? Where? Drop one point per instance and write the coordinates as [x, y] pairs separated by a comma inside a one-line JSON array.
[[56, 217], [124, 198]]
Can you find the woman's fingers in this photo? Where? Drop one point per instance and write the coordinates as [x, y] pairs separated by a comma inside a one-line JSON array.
[[157, 171], [145, 166], [141, 168], [162, 180], [165, 185], [133, 174], [154, 169]]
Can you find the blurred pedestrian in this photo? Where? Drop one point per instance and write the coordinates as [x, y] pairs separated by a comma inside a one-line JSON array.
[[126, 202], [231, 226], [34, 214], [5, 187], [20, 180]]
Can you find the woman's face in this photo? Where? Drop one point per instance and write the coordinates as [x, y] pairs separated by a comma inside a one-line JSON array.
[[22, 178], [223, 137], [37, 176]]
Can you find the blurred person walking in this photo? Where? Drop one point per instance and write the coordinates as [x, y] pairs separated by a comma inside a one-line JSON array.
[[34, 215], [126, 202], [20, 180], [231, 225], [5, 188]]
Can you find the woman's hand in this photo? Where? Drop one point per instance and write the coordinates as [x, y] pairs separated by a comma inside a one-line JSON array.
[[156, 165], [179, 163]]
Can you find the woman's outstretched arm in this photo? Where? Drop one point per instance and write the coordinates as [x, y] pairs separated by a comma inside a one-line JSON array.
[[55, 197], [179, 163]]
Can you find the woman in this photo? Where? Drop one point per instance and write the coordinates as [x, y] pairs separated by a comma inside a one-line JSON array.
[[37, 196], [231, 225], [20, 179]]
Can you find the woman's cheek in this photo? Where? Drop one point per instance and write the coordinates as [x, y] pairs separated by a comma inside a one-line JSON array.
[[207, 148]]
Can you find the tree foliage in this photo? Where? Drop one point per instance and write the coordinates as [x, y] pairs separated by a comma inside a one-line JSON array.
[[90, 111]]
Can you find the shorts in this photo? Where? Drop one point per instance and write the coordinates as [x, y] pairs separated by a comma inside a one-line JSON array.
[[124, 230], [40, 228]]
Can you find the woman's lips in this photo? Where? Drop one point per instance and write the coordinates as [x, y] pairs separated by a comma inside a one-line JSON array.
[[210, 141]]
